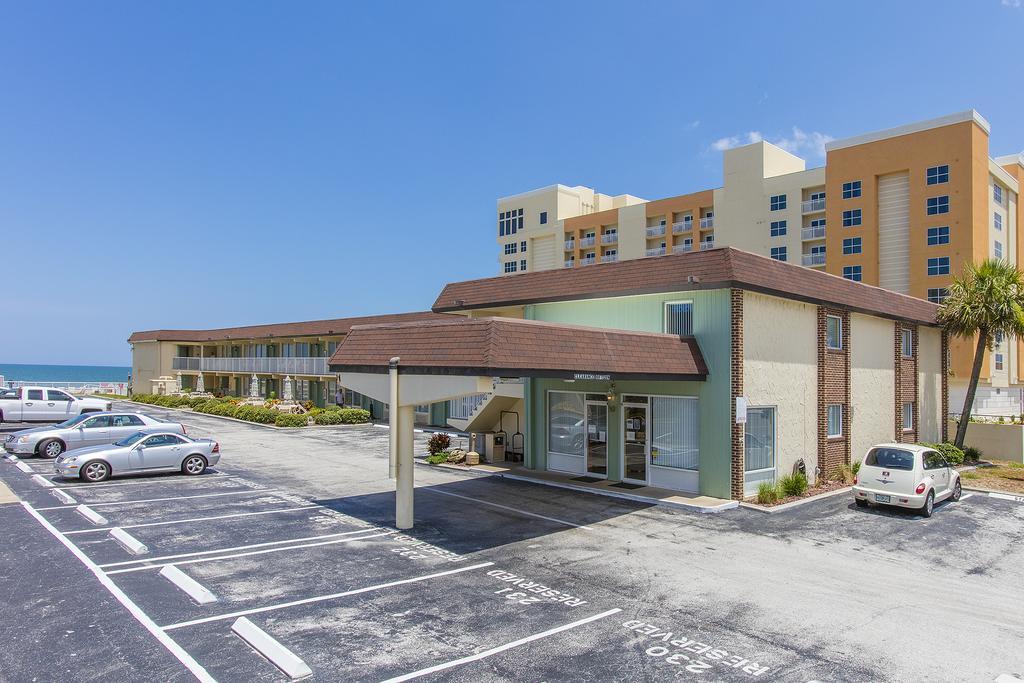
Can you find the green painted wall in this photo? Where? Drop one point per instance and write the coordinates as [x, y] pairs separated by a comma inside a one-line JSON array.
[[711, 327], [439, 414]]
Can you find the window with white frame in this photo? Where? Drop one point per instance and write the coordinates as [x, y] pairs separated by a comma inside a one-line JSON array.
[[817, 223], [938, 265], [833, 332], [566, 422], [997, 220], [999, 361], [675, 432], [777, 202], [522, 246], [997, 249], [851, 190], [835, 420], [938, 235], [679, 318], [510, 266], [852, 245], [759, 440], [907, 343], [854, 273], [509, 222], [937, 174], [938, 205], [817, 196], [851, 218], [522, 265], [543, 217], [997, 194], [779, 253], [908, 416], [937, 295], [778, 228], [510, 248]]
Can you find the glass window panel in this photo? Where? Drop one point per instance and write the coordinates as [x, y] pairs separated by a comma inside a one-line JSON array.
[[565, 423], [675, 432], [760, 439]]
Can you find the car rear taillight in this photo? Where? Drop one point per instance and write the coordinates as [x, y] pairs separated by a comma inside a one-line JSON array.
[[216, 447], [183, 430], [920, 488], [855, 479]]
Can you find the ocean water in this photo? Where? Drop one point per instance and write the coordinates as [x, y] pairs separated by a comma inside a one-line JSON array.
[[64, 373]]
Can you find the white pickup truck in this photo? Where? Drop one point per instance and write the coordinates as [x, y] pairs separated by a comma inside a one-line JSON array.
[[39, 404]]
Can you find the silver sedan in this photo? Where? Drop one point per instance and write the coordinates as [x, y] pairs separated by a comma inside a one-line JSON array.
[[142, 452], [89, 429]]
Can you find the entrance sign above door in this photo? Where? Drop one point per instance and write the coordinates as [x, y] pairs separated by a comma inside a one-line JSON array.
[[591, 375]]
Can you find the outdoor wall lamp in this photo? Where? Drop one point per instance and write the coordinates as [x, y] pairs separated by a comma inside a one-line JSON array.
[[611, 393]]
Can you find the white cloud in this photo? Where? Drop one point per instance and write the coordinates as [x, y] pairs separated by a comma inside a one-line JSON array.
[[1012, 3], [799, 143]]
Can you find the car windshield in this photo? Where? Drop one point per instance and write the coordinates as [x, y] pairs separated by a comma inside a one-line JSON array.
[[75, 420], [129, 440], [890, 458]]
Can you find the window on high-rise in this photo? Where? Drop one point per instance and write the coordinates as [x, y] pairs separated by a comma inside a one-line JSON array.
[[937, 174], [851, 218], [779, 253], [778, 228], [937, 205], [852, 273], [851, 245], [777, 202], [851, 190], [938, 235], [938, 265], [937, 294]]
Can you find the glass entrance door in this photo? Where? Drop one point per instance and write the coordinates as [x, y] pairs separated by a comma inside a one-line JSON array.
[[597, 439], [634, 429]]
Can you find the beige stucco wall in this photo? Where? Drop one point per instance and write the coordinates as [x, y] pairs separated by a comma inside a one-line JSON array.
[[780, 369], [996, 441], [150, 360], [872, 383], [929, 384]]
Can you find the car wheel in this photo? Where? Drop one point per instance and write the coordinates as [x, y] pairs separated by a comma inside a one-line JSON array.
[[50, 448], [957, 491], [194, 464], [929, 504], [861, 503], [97, 470]]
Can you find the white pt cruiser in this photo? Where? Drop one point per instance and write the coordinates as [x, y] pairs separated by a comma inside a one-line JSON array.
[[905, 475]]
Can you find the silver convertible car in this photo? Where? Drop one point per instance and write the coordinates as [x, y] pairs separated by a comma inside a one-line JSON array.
[[142, 452], [88, 429]]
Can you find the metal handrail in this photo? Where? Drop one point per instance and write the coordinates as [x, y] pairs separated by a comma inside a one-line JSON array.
[[812, 205]]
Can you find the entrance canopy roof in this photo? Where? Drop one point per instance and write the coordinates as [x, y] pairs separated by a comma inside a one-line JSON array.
[[506, 347]]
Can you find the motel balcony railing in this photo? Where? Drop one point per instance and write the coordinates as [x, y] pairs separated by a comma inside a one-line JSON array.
[[587, 242], [656, 251], [570, 245], [609, 258], [707, 244], [568, 263], [275, 366], [610, 238], [812, 206], [813, 259], [656, 231], [707, 222], [684, 226], [815, 233], [682, 247], [588, 261]]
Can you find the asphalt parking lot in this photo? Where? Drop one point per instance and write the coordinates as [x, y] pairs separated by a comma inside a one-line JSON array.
[[500, 580]]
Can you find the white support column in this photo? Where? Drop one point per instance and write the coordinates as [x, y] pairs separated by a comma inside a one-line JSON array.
[[393, 417], [405, 487]]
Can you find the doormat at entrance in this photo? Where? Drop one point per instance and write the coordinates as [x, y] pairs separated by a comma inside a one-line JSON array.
[[589, 480], [624, 485]]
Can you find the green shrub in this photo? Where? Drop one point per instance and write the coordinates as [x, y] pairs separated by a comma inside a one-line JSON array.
[[793, 484], [438, 458], [856, 468], [291, 420], [313, 412], [972, 454], [953, 455], [351, 416], [767, 493], [438, 442], [844, 474], [333, 407], [327, 417]]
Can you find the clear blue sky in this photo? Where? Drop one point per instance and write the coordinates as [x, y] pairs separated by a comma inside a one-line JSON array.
[[196, 164]]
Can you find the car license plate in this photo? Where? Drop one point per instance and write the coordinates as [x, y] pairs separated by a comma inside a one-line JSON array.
[[881, 498]]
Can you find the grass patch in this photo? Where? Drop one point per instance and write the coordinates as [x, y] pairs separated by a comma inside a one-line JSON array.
[[1002, 476]]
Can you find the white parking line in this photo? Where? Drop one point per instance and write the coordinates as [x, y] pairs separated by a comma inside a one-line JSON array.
[[200, 519], [276, 653], [192, 588], [252, 552], [179, 653], [501, 648], [505, 507], [321, 598], [241, 547], [240, 492]]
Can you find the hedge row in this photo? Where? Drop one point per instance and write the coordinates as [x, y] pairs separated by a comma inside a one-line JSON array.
[[229, 407]]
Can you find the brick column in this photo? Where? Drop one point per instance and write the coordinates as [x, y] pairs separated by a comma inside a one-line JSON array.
[[833, 388], [736, 375], [945, 386], [906, 382]]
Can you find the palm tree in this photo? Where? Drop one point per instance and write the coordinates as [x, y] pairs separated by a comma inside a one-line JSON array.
[[985, 301]]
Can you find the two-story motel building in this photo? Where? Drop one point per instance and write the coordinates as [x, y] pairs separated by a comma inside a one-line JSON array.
[[904, 209], [704, 371]]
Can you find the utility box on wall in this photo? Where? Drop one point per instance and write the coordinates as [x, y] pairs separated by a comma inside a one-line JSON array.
[[490, 445]]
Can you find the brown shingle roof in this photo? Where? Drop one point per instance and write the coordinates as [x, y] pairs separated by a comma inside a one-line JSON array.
[[518, 348], [711, 269], [301, 329]]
